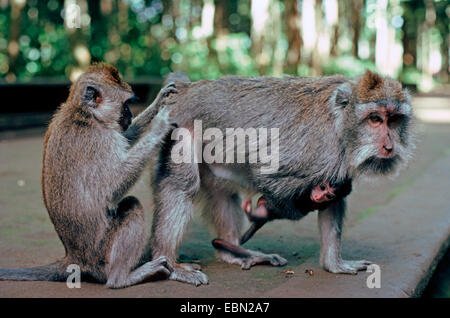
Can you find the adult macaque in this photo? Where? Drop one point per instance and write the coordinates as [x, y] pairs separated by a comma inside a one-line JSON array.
[[331, 129], [92, 157]]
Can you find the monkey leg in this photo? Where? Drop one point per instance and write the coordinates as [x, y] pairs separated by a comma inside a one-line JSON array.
[[226, 214], [173, 195], [330, 226], [124, 246]]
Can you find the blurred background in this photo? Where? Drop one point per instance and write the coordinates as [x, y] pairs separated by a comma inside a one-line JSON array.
[[48, 40], [46, 45]]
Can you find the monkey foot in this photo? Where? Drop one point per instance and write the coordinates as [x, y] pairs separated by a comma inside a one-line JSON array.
[[189, 273], [347, 267], [254, 258]]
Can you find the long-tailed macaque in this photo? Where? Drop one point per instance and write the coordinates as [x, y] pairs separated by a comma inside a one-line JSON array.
[[93, 154], [330, 129]]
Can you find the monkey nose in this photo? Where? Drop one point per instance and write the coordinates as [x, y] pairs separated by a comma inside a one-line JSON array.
[[388, 148]]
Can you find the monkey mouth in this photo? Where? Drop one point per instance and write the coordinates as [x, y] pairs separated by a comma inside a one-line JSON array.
[[124, 123], [380, 165]]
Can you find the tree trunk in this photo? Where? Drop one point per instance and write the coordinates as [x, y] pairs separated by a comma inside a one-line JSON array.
[[14, 33], [292, 17], [356, 22]]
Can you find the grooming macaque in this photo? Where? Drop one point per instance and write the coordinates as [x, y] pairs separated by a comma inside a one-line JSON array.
[[331, 129], [93, 154]]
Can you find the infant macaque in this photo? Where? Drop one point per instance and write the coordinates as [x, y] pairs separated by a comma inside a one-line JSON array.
[[318, 198], [321, 193]]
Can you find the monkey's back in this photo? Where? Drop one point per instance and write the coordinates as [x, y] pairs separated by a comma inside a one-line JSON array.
[[253, 101], [301, 108], [72, 176]]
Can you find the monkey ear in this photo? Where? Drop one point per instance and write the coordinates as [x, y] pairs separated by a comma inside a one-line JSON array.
[[92, 96], [343, 94], [371, 80]]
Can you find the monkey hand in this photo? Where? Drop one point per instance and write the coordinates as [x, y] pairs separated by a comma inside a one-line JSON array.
[[162, 123], [170, 88], [188, 273]]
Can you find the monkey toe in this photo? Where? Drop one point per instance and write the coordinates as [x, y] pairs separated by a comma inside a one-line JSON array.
[[277, 260], [260, 258], [194, 277], [253, 258], [190, 266], [347, 267], [164, 262]]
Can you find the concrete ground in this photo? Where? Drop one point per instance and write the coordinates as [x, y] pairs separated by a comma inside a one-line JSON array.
[[403, 225]]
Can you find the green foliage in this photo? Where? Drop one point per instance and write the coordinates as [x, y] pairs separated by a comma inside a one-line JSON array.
[[348, 65], [154, 37]]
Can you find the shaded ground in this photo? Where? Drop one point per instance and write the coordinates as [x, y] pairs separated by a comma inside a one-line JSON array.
[[27, 237]]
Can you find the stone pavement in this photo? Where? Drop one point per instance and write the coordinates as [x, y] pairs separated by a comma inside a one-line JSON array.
[[403, 225]]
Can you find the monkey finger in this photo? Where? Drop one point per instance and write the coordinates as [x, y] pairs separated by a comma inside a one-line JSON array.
[[162, 270], [190, 266], [163, 261], [168, 89]]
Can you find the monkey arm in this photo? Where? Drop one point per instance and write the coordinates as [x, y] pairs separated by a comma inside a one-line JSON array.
[[330, 226], [140, 124], [139, 154]]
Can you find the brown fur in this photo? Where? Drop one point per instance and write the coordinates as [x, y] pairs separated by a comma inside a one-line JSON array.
[[89, 165], [372, 88]]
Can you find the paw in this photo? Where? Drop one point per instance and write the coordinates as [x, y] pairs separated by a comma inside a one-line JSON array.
[[186, 273], [168, 89], [260, 258], [347, 267], [159, 266], [255, 258], [163, 121], [164, 262]]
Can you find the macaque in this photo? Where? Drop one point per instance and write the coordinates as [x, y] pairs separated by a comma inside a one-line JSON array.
[[93, 154], [319, 195], [331, 130]]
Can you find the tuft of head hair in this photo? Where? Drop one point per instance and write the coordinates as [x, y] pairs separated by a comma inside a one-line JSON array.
[[108, 73], [372, 87]]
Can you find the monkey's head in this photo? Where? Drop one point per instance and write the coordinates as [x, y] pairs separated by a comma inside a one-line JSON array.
[[376, 125], [101, 94]]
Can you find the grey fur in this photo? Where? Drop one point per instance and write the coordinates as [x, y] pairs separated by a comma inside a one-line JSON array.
[[322, 138]]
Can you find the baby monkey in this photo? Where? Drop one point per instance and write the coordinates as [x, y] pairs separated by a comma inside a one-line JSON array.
[[319, 198]]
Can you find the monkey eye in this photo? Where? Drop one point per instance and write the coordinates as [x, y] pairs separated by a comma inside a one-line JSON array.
[[395, 120], [375, 120]]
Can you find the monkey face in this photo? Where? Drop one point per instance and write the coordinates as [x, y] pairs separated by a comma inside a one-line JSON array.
[[105, 97], [382, 140]]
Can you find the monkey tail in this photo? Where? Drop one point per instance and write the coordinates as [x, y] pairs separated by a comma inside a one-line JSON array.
[[176, 76], [52, 272]]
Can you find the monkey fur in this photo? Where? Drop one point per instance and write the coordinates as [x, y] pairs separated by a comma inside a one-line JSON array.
[[93, 154], [331, 129]]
